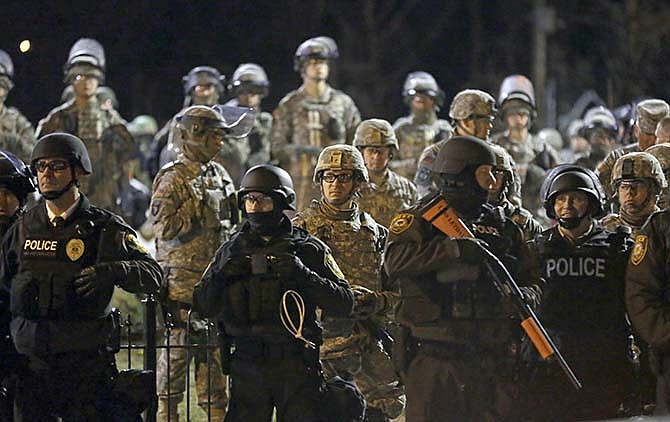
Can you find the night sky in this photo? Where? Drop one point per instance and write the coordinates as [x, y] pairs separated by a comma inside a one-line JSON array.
[[151, 45]]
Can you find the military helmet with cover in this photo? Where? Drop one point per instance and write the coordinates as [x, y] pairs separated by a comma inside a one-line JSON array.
[[472, 103], [61, 145], [517, 92], [143, 125], [6, 71], [570, 177], [16, 176], [323, 48], [203, 75], [639, 165], [422, 83], [270, 180], [662, 153], [341, 157], [87, 57], [249, 77], [375, 133], [599, 118]]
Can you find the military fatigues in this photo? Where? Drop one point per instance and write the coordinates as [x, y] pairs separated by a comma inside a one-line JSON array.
[[414, 134], [646, 299], [613, 221], [583, 309], [604, 169], [350, 349], [302, 126], [70, 370], [395, 194], [459, 353], [270, 368], [107, 140], [191, 216], [16, 132]]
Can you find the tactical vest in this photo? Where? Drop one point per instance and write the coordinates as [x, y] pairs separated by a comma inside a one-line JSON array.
[[48, 315]]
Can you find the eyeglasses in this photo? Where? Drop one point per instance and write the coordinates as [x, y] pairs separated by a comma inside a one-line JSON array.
[[482, 117], [82, 76], [342, 177], [632, 185], [262, 200], [55, 166]]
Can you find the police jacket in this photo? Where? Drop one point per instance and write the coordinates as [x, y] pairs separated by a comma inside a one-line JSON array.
[[444, 295], [38, 268], [582, 301], [647, 294], [247, 301]]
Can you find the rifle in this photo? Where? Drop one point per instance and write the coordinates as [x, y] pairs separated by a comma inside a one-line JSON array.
[[380, 333], [445, 219]]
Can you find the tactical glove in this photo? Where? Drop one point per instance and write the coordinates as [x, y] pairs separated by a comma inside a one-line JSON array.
[[290, 266], [236, 266], [93, 279], [367, 302]]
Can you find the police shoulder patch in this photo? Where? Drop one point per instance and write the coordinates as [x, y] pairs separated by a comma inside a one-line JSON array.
[[640, 249], [133, 243], [401, 222], [329, 261]]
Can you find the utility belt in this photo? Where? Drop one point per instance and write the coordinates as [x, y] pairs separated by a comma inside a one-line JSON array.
[[263, 350]]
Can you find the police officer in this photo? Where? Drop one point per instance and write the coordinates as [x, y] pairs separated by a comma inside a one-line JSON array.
[[103, 131], [192, 215], [61, 262], [582, 302], [311, 117], [638, 179], [16, 132], [203, 85], [352, 349], [264, 285], [649, 112], [248, 86], [458, 351], [421, 127], [387, 192], [16, 183]]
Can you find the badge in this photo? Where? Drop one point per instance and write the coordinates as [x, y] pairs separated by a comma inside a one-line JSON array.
[[401, 222], [74, 249], [332, 265], [640, 249], [131, 241]]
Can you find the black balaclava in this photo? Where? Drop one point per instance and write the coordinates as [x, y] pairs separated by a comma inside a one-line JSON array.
[[268, 223], [462, 192]]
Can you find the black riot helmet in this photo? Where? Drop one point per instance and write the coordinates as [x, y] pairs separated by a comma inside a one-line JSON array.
[[569, 177], [422, 83], [61, 145], [203, 75], [270, 180], [461, 152], [16, 176]]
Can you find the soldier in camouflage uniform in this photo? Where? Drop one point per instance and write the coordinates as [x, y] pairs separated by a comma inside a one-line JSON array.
[[192, 216], [104, 133], [639, 180], [422, 127], [203, 85], [249, 85], [649, 113], [311, 117], [662, 153], [351, 347], [16, 133], [387, 192]]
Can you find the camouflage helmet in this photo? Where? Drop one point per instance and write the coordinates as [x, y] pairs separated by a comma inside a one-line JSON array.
[[422, 83], [341, 157], [105, 93], [571, 177], [472, 102], [515, 91], [315, 48], [638, 165], [552, 137], [203, 75], [375, 133], [503, 160], [249, 76], [87, 56], [61, 145], [198, 118], [143, 125], [15, 176], [6, 71], [270, 180], [662, 153], [460, 152], [599, 118]]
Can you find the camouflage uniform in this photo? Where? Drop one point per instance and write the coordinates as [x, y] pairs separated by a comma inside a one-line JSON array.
[[662, 154], [191, 216], [16, 133], [303, 125], [357, 242]]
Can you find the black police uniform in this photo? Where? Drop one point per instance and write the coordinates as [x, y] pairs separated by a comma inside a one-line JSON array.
[[269, 367], [583, 309], [64, 336], [459, 355]]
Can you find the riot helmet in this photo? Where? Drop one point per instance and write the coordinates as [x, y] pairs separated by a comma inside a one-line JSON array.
[[104, 94], [6, 71], [422, 83], [203, 75], [570, 177], [270, 180], [341, 157], [249, 77], [517, 93], [143, 125], [16, 176]]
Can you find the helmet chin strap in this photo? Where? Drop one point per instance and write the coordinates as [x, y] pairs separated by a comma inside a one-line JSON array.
[[53, 195], [571, 223]]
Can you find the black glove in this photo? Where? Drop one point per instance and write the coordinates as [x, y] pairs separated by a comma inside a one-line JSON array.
[[289, 266], [367, 302], [472, 250], [95, 278], [236, 266]]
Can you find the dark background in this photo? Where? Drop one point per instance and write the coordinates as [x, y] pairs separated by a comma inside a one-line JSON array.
[[617, 48]]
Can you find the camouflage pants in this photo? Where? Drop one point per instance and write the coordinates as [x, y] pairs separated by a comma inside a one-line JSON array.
[[372, 370], [216, 398]]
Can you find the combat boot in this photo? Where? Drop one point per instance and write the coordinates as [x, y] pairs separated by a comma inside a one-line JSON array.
[[166, 406]]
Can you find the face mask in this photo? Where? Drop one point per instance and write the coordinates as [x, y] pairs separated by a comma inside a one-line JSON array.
[[265, 222]]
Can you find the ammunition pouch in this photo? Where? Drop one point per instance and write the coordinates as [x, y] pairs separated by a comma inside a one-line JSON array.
[[43, 296]]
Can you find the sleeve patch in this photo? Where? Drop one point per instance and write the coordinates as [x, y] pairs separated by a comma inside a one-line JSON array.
[[133, 243], [329, 261], [401, 222], [640, 249]]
